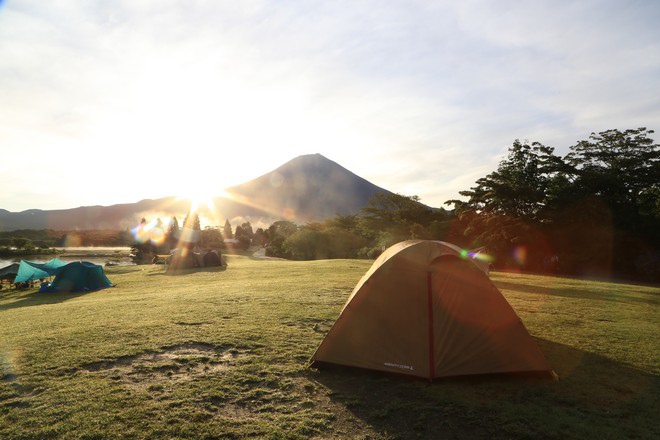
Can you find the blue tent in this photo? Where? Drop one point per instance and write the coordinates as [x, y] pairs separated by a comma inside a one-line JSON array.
[[29, 270], [79, 276]]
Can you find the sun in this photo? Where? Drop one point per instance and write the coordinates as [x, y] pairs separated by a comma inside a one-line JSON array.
[[200, 200], [203, 131], [203, 202]]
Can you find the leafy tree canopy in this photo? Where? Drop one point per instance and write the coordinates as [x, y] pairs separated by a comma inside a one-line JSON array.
[[605, 191]]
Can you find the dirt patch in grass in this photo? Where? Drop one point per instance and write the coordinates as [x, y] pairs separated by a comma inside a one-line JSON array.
[[172, 364], [317, 325]]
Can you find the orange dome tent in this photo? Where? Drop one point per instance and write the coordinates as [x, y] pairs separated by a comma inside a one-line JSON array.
[[425, 309]]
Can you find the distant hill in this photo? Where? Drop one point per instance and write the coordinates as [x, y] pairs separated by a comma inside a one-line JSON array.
[[309, 187], [120, 216]]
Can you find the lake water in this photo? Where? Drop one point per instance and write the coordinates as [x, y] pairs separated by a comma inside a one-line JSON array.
[[98, 255]]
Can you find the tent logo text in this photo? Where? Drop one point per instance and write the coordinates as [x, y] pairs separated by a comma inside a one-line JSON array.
[[400, 366]]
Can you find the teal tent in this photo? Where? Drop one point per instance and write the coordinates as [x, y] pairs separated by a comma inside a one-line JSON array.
[[79, 276], [9, 272], [29, 270]]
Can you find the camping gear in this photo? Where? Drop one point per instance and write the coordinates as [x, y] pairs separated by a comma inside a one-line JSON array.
[[79, 276], [426, 309], [212, 258], [29, 270], [8, 273], [183, 258]]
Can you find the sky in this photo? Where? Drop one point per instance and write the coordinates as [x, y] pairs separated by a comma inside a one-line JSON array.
[[114, 102]]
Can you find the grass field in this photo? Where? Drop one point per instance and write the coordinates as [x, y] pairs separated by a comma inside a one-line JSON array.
[[223, 354]]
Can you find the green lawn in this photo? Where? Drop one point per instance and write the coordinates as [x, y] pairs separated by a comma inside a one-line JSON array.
[[223, 354]]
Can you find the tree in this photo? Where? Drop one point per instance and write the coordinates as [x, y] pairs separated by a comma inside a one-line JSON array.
[[346, 222], [191, 232], [390, 218], [615, 201], [244, 235], [260, 237], [303, 244], [507, 209], [342, 243], [211, 237], [247, 229], [315, 241], [191, 221], [622, 169], [385, 210], [596, 210], [173, 232], [21, 243], [277, 233], [520, 186], [226, 231]]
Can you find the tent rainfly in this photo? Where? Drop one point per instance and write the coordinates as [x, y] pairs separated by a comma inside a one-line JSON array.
[[29, 270], [424, 309]]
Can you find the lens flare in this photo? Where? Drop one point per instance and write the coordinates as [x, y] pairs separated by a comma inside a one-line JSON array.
[[8, 360], [72, 240], [276, 180], [188, 235], [476, 254], [483, 257], [202, 203], [286, 213], [152, 232], [289, 214], [520, 255]]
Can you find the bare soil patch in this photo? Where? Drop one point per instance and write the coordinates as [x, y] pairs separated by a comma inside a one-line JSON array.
[[172, 364]]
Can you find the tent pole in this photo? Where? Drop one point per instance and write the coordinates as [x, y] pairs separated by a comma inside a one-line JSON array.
[[430, 310]]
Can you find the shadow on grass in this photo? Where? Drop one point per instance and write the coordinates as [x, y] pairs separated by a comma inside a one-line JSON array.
[[118, 270], [179, 272], [568, 292], [595, 396], [37, 298]]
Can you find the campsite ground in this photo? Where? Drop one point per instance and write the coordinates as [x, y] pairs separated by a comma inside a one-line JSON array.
[[223, 354]]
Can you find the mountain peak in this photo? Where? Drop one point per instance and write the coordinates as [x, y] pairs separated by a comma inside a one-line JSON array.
[[309, 187], [308, 163]]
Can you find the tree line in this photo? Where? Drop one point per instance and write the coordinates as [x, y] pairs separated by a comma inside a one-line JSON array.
[[387, 219], [157, 237], [37, 240], [593, 211]]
